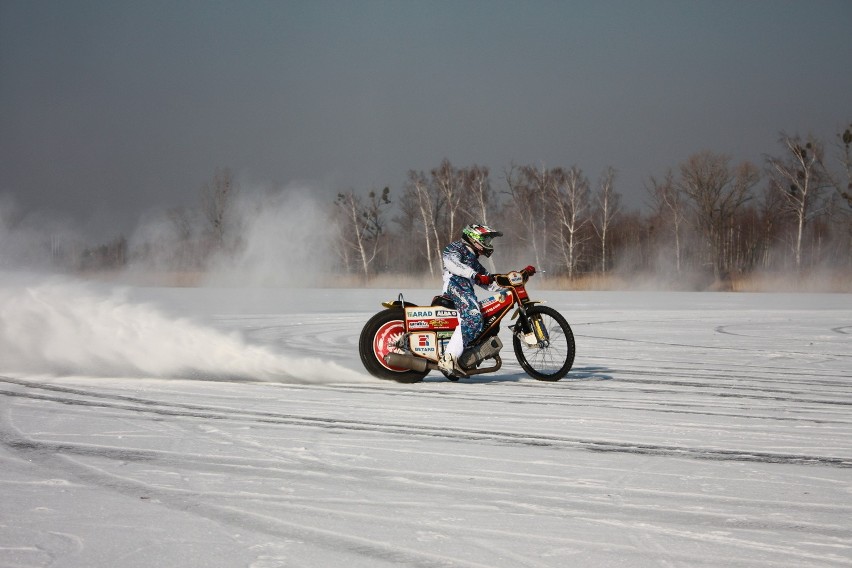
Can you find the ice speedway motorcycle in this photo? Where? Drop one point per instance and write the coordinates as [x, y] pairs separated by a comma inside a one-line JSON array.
[[405, 341]]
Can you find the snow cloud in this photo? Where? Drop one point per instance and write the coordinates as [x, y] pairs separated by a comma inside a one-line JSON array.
[[282, 238], [68, 328]]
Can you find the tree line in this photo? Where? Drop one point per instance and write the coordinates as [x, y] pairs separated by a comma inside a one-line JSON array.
[[709, 219]]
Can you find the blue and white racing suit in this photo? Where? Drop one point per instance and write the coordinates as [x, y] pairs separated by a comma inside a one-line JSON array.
[[461, 265]]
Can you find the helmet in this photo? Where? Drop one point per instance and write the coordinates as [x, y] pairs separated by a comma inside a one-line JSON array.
[[479, 238]]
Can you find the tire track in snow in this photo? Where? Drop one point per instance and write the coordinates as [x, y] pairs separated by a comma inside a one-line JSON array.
[[707, 347], [76, 397], [493, 490], [53, 456], [628, 402]]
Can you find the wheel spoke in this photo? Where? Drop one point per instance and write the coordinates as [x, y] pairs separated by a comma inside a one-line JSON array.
[[554, 360]]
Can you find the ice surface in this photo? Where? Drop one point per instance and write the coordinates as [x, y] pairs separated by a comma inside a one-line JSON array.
[[225, 427]]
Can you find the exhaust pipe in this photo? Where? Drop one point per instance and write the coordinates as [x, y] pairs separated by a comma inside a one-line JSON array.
[[407, 361]]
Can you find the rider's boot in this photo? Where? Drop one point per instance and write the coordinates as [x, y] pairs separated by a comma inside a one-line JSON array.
[[450, 365]]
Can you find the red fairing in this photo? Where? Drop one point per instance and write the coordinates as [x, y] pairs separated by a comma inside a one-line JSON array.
[[496, 304]]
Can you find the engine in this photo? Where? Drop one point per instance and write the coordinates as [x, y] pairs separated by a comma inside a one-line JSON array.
[[486, 349]]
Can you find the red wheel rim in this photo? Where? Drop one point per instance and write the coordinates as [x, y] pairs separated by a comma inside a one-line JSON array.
[[383, 342]]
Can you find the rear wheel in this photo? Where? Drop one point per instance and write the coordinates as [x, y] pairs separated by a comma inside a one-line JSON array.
[[552, 359], [378, 338]]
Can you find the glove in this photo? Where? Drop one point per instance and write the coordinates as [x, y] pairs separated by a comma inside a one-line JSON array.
[[483, 279], [529, 270]]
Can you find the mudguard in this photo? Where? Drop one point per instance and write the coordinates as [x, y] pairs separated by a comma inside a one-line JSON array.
[[398, 304]]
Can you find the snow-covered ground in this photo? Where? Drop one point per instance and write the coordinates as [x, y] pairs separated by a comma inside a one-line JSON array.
[[224, 427]]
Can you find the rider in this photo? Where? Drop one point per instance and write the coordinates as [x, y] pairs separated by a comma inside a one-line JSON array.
[[462, 270]]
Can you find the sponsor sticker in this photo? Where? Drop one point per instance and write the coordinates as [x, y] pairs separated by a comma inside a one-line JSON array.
[[424, 344], [420, 317], [425, 313]]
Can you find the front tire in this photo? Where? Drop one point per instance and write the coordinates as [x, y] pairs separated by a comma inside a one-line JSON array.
[[552, 362], [377, 340]]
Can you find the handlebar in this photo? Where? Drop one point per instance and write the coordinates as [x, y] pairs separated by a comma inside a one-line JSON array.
[[513, 278]]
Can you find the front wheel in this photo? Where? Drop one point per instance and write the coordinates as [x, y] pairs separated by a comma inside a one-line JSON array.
[[551, 360], [378, 338]]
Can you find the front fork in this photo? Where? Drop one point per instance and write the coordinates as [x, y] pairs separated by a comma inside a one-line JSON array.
[[531, 329]]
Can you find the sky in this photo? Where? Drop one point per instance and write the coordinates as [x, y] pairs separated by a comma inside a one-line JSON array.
[[112, 109]]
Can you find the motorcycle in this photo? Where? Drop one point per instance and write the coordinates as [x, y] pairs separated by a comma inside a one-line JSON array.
[[405, 341]]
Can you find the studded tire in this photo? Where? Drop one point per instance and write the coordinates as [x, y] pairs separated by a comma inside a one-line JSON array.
[[377, 339], [552, 362]]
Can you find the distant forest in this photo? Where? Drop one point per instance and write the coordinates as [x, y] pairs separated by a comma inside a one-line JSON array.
[[710, 221]]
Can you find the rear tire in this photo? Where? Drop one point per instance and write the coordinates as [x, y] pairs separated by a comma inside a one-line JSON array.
[[377, 339], [549, 363]]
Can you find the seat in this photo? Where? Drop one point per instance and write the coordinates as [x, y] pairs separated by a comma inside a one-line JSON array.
[[444, 301]]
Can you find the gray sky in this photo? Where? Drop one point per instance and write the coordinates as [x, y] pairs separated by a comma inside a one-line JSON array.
[[111, 108]]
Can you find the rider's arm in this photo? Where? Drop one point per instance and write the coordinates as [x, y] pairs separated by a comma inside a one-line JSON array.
[[479, 269], [455, 265]]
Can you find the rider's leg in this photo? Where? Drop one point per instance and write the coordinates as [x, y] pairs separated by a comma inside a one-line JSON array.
[[470, 325], [470, 316], [455, 347], [471, 321]]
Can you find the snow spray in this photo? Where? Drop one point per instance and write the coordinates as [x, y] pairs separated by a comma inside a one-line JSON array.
[[65, 327]]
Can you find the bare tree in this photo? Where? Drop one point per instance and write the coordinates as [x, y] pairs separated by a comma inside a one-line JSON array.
[[362, 224], [608, 208], [448, 182], [571, 204], [717, 192], [841, 206], [530, 189], [216, 198], [669, 202], [769, 210], [419, 192], [842, 183], [798, 176], [477, 186]]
